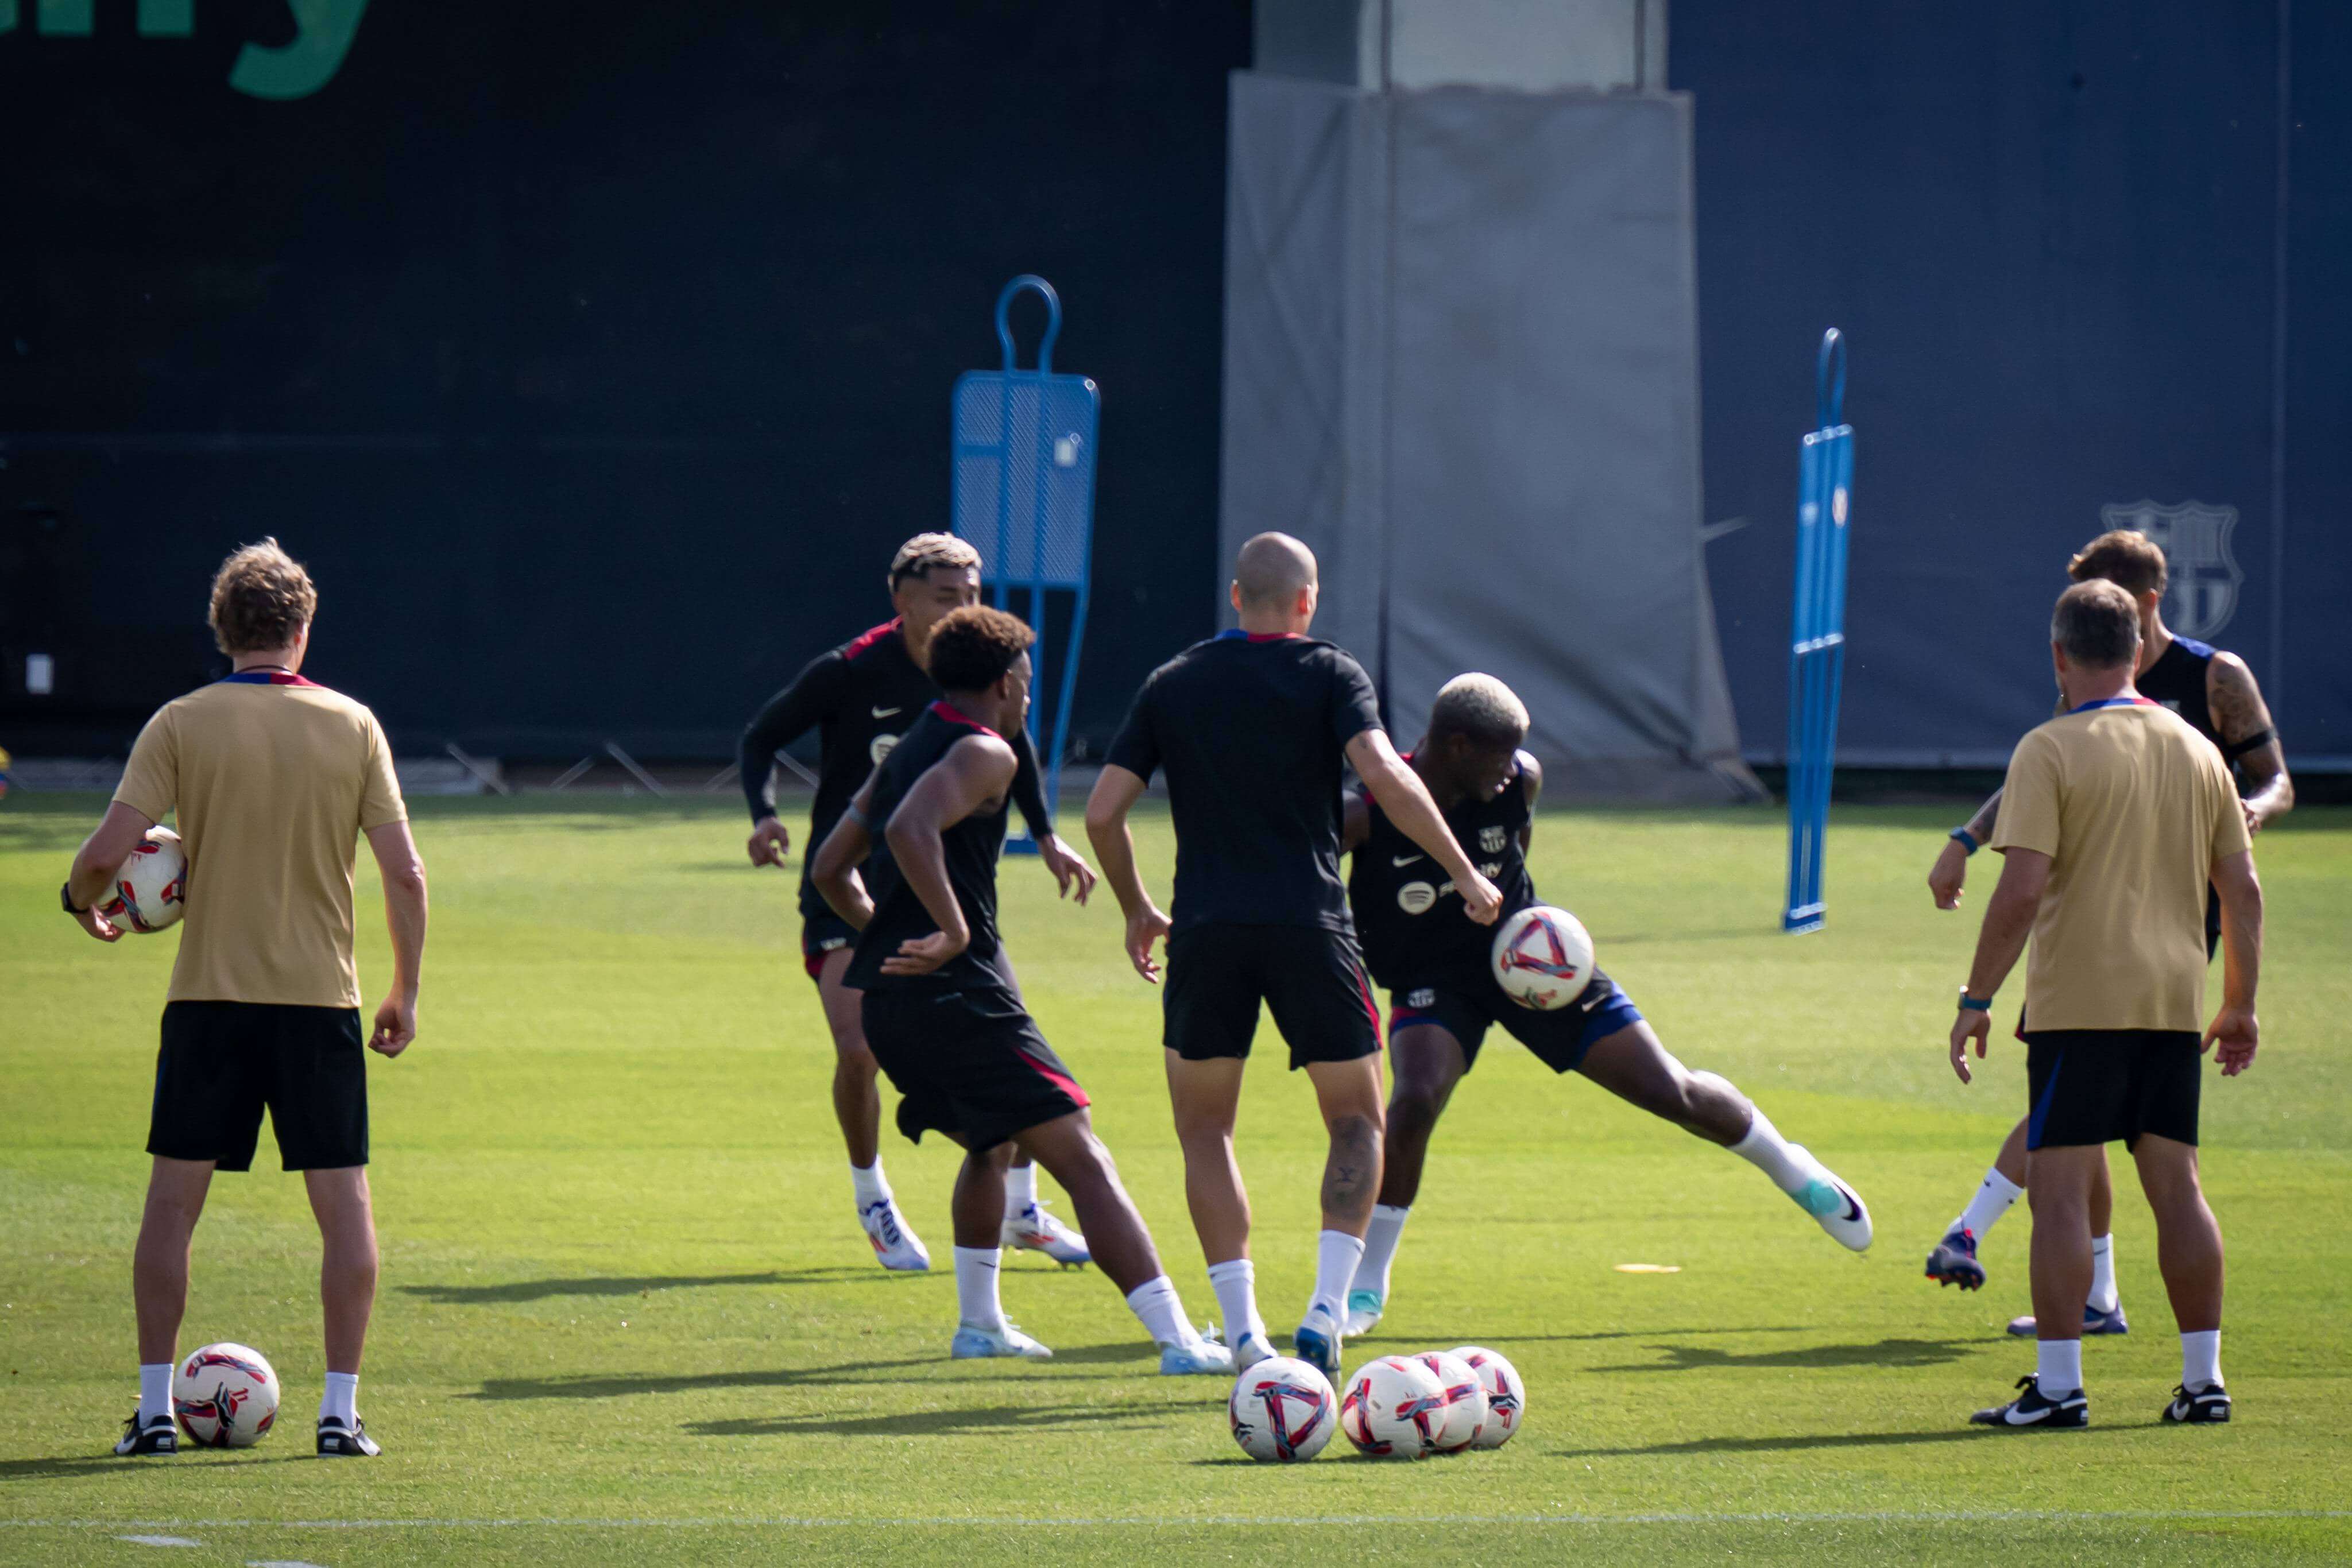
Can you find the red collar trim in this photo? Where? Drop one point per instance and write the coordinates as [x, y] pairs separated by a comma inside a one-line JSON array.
[[873, 634], [266, 678], [954, 714]]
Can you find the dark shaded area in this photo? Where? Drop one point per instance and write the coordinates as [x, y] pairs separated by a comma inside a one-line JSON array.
[[594, 355], [935, 1423], [853, 1372], [2048, 232], [1889, 1352], [544, 1289]]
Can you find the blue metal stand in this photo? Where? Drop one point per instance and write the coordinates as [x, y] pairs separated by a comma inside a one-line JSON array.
[[1817, 633], [1022, 450]]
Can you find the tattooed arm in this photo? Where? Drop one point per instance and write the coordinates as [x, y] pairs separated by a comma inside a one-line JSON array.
[[2243, 722]]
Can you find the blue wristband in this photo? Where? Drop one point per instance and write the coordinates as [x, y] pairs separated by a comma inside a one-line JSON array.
[[1969, 1004], [1965, 840]]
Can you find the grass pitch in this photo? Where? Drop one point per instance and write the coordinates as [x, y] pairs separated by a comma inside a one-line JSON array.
[[626, 1315]]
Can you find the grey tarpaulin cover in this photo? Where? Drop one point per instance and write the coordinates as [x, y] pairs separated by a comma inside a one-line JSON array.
[[1462, 363]]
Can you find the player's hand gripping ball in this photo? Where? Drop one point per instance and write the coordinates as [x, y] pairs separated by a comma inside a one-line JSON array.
[[1463, 1414], [1393, 1410], [1543, 957], [1507, 1396], [1283, 1411], [148, 891], [225, 1397]]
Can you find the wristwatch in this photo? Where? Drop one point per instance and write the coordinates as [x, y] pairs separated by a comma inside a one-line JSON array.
[[1969, 1004], [65, 896], [1965, 840]]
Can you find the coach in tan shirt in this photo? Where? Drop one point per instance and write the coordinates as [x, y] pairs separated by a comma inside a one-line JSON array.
[[2114, 816], [274, 779]]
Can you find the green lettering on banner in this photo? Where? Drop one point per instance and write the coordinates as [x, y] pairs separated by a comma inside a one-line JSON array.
[[324, 29], [167, 18], [65, 18]]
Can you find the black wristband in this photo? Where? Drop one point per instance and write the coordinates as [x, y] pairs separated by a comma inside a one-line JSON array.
[[1965, 840], [65, 896], [2254, 742]]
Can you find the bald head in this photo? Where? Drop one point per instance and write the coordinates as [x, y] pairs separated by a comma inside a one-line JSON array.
[[1273, 570]]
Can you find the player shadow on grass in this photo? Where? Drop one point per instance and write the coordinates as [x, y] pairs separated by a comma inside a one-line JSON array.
[[1892, 1352], [935, 1423], [1955, 1434], [844, 1372], [542, 1289], [73, 1467]]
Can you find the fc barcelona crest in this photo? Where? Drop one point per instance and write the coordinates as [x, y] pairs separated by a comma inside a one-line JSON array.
[[2201, 576]]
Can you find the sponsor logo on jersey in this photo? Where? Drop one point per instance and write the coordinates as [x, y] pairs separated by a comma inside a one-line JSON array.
[[1424, 997], [881, 747], [2201, 576], [1402, 860], [884, 712], [1492, 840], [1491, 869], [1416, 898]]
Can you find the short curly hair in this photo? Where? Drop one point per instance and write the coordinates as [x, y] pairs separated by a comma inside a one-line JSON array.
[[972, 648], [919, 555], [1480, 708], [261, 599]]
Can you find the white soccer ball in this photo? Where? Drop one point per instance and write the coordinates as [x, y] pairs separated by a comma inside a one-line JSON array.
[[1543, 957], [1507, 1396], [148, 891], [1464, 1410], [1393, 1410], [225, 1397], [1283, 1410]]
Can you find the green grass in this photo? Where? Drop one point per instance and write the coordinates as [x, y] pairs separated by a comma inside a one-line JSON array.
[[621, 1281]]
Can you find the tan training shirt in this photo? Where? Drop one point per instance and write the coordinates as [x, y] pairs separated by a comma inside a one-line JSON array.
[[2133, 807], [274, 779]]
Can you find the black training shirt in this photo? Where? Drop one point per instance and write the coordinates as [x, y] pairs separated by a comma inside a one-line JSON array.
[[860, 698], [1253, 732], [1415, 927], [970, 848]]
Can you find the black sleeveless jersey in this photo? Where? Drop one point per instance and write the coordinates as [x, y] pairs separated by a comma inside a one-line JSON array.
[[1409, 918], [2176, 680], [972, 847]]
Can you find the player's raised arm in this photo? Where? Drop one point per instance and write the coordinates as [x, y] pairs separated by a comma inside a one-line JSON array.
[[834, 872], [1406, 799], [2243, 720], [976, 773], [788, 716], [1116, 791]]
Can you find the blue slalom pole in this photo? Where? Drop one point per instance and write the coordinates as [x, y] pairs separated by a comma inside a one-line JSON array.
[[1817, 632]]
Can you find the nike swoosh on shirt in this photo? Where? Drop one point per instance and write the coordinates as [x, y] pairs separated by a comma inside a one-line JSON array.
[[1402, 860], [884, 712]]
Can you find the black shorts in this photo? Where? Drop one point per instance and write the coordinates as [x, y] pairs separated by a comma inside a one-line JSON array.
[[1312, 980], [822, 934], [1465, 1006], [222, 1062], [971, 1063], [2096, 1086]]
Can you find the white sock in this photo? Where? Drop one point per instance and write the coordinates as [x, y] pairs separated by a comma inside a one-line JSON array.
[[1235, 1283], [341, 1400], [977, 1304], [154, 1392], [2104, 1295], [1020, 1189], [872, 1186], [1380, 1238], [1337, 1254], [2200, 1359], [1764, 1148], [1155, 1305], [1993, 1200], [2060, 1369]]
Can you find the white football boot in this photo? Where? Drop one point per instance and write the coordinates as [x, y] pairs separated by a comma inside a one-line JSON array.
[[895, 1246], [1364, 1308], [1035, 1230], [975, 1344], [1318, 1339], [1249, 1348], [1195, 1356], [1836, 1207]]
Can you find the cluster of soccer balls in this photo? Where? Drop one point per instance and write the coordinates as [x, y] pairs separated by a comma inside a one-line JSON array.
[[1396, 1407]]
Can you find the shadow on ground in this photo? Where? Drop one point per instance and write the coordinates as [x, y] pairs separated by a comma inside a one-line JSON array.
[[543, 1289], [1894, 1353], [936, 1423], [1798, 1445], [851, 1372], [71, 1466]]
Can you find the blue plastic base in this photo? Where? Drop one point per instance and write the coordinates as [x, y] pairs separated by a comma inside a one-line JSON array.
[[1020, 845], [1797, 920]]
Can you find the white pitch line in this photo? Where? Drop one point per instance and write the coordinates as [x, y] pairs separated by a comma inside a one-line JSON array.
[[1887, 1516], [159, 1540]]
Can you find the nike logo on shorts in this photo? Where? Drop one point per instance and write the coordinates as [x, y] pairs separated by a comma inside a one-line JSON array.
[[884, 712]]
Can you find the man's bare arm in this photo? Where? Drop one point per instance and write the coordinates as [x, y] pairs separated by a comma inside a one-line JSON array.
[[100, 856], [2000, 941], [404, 913], [2239, 714], [976, 770], [1116, 791], [834, 873], [1401, 794], [2234, 1027], [1531, 780]]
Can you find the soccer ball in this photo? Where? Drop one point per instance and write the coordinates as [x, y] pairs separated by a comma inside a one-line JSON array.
[[225, 1397], [1507, 1396], [1283, 1410], [1543, 957], [148, 890], [1463, 1414], [1393, 1410]]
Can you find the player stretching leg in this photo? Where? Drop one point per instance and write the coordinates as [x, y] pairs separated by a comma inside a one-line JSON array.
[[1421, 945], [2218, 696], [860, 698], [940, 1012], [274, 779], [1252, 727]]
